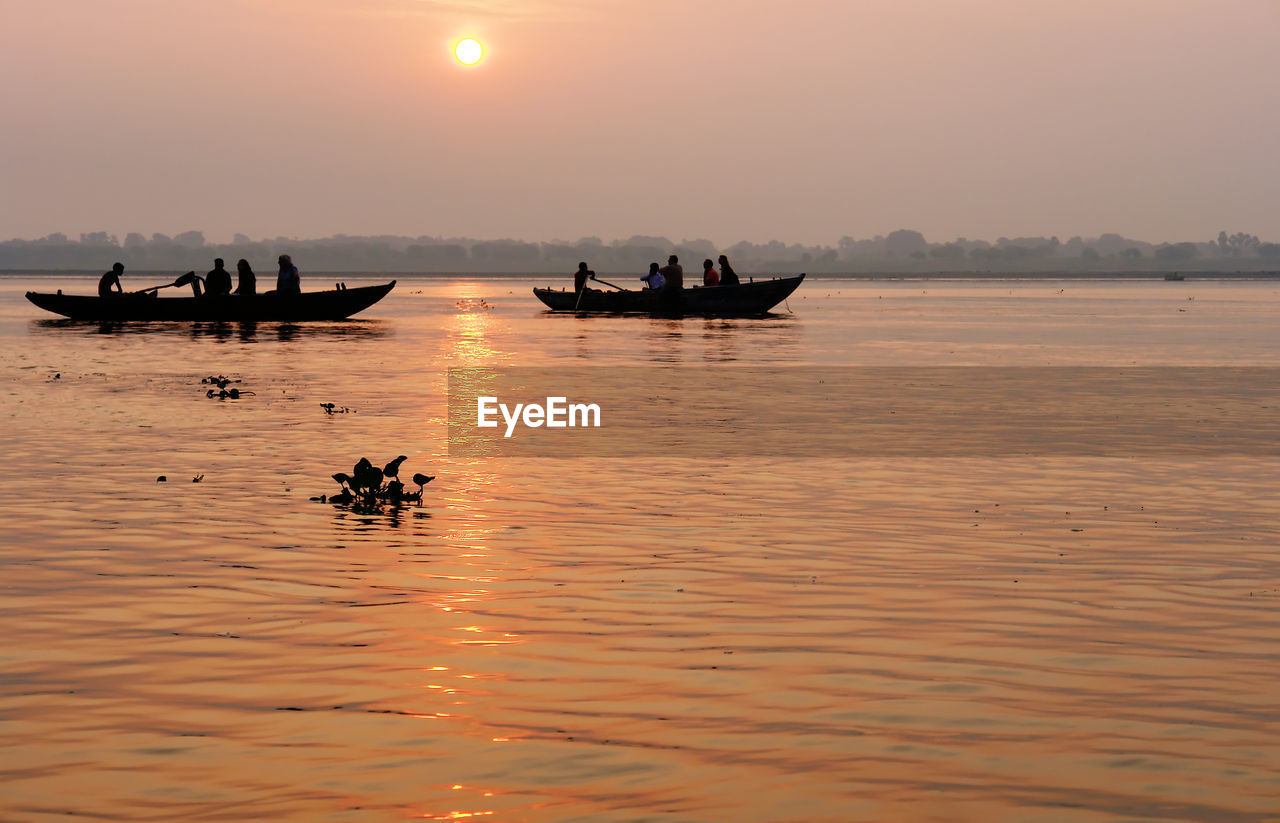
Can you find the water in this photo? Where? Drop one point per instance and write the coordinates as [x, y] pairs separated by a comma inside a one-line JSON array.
[[1005, 638]]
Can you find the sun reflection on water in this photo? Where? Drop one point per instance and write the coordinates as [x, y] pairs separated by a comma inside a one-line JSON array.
[[470, 328], [459, 815]]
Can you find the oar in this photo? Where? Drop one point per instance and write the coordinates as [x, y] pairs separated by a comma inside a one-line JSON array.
[[182, 280], [584, 288], [607, 283]]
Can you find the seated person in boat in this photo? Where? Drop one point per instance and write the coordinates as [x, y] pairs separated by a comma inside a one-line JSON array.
[[288, 281], [217, 283], [709, 275], [728, 277], [581, 276], [654, 279], [248, 282], [673, 272], [109, 284]]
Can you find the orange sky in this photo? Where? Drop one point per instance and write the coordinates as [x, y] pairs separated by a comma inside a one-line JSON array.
[[802, 120]]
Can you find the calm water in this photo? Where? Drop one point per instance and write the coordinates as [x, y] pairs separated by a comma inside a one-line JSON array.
[[987, 639]]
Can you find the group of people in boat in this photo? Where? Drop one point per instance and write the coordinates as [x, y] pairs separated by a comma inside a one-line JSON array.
[[669, 278], [217, 283]]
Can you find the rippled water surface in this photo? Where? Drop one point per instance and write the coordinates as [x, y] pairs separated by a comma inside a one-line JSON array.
[[1007, 638]]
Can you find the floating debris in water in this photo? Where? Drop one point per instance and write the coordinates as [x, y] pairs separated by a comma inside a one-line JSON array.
[[197, 478], [162, 479], [333, 408]]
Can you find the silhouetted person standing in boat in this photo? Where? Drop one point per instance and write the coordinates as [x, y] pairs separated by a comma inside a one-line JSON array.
[[217, 283], [581, 276], [673, 272], [728, 277], [248, 282], [709, 275], [111, 279], [288, 281]]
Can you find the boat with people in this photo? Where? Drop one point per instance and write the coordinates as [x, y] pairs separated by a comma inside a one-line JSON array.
[[334, 304], [750, 299]]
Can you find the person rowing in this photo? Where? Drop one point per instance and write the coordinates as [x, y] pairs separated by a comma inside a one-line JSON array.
[[581, 276], [109, 284]]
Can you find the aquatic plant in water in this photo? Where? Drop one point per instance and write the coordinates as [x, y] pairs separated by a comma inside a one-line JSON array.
[[222, 392], [369, 488], [228, 394]]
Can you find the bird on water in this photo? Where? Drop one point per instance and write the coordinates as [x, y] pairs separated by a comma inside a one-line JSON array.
[[365, 475], [392, 469]]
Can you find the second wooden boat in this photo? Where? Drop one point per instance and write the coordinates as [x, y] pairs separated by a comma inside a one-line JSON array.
[[743, 300]]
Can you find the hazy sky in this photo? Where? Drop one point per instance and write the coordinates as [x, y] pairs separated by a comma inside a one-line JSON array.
[[801, 120]]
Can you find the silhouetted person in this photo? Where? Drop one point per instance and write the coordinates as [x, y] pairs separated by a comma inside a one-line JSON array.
[[581, 276], [217, 282], [709, 275], [673, 272], [288, 281], [248, 282], [109, 285], [728, 277], [654, 279]]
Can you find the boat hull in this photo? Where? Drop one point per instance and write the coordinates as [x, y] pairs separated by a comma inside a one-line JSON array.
[[320, 305], [743, 300]]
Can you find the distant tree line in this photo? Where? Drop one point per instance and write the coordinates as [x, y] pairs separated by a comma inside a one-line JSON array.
[[902, 251]]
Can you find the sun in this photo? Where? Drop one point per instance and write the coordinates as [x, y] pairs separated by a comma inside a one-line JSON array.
[[468, 52]]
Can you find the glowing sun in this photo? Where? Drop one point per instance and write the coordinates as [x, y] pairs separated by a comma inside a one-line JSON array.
[[468, 52]]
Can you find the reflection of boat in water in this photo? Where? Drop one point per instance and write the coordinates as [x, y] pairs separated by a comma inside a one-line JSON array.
[[743, 300], [337, 304], [246, 331]]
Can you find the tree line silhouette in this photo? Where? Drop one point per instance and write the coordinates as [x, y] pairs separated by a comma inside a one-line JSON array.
[[901, 251]]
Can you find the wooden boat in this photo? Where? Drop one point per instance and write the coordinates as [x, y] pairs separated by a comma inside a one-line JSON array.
[[336, 304], [743, 300]]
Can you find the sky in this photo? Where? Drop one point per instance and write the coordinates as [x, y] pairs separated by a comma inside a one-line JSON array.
[[797, 120]]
